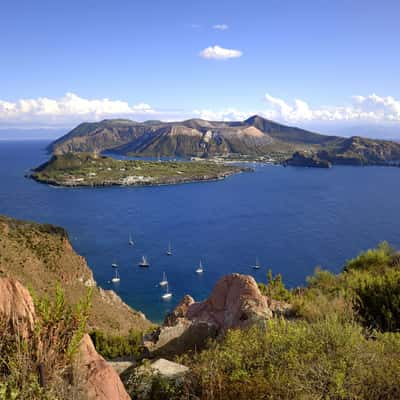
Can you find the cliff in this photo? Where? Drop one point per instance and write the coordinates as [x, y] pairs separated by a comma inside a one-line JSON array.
[[39, 255]]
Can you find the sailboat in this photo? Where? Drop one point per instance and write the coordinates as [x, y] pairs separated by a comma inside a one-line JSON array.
[[116, 278], [167, 294], [114, 264], [169, 250], [256, 265], [200, 269], [164, 281], [144, 262], [130, 241]]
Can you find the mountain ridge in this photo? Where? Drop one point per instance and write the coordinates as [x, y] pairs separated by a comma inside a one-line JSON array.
[[255, 136]]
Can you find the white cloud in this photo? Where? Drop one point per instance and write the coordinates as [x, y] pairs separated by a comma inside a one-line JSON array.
[[228, 114], [68, 109], [371, 108], [220, 27], [219, 53]]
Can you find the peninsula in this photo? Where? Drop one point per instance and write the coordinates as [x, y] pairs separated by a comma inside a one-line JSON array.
[[91, 169]]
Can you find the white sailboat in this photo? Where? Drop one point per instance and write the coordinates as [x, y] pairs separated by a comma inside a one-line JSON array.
[[144, 262], [130, 241], [116, 277], [167, 295], [256, 265], [200, 269], [164, 281], [169, 250], [114, 264]]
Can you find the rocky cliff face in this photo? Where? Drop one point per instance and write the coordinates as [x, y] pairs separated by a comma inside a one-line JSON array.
[[39, 255], [235, 302], [194, 137]]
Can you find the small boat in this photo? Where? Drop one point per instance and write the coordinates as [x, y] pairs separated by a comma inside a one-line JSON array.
[[130, 241], [114, 264], [169, 250], [164, 281], [256, 265], [167, 295], [116, 277], [200, 269], [144, 262]]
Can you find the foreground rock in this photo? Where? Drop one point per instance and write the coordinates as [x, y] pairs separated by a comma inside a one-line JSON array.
[[96, 378], [93, 377], [16, 306], [235, 302]]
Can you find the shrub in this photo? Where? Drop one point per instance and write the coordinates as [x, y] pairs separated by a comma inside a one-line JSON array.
[[275, 288], [377, 301], [297, 360], [50, 347], [111, 346]]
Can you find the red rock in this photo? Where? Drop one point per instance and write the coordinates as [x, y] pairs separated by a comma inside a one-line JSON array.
[[97, 379], [16, 305], [235, 302]]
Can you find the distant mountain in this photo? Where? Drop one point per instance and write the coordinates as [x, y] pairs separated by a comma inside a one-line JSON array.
[[196, 137]]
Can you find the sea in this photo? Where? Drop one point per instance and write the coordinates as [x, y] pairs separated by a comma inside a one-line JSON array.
[[290, 219]]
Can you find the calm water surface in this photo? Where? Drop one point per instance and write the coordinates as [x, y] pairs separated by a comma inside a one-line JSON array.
[[292, 219]]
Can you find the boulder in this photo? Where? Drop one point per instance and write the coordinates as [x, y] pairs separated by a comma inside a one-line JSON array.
[[142, 381], [16, 306], [235, 302], [97, 379]]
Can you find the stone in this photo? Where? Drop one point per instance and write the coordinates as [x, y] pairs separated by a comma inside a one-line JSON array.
[[235, 302], [16, 306], [97, 379]]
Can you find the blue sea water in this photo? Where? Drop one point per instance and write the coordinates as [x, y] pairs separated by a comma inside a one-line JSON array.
[[292, 219]]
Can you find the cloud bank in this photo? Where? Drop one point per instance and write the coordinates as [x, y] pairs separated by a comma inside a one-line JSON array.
[[367, 115], [68, 109], [371, 108], [219, 53]]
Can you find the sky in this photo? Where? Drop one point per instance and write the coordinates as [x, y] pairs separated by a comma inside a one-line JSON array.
[[326, 65]]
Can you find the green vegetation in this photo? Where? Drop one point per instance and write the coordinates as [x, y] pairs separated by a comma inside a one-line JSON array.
[[113, 346], [88, 169], [275, 288], [327, 359], [50, 347], [342, 340]]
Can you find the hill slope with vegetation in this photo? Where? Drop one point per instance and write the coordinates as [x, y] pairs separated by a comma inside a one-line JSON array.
[[40, 255]]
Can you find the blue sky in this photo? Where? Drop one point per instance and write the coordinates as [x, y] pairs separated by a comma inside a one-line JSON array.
[[147, 55]]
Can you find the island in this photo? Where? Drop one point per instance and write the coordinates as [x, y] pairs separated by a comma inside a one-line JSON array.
[[92, 169], [307, 160]]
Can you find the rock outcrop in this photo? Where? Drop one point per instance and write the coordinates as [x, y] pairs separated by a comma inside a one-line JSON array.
[[16, 306], [299, 159], [96, 378], [235, 302]]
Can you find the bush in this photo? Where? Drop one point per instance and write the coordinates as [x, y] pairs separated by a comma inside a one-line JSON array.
[[377, 301], [275, 288], [297, 360], [372, 260], [110, 346], [50, 347]]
